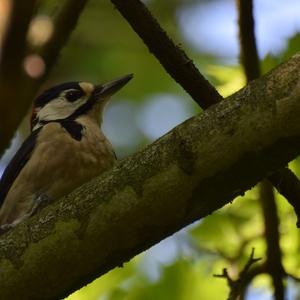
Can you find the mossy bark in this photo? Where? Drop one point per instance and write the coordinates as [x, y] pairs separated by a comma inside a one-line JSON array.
[[187, 174]]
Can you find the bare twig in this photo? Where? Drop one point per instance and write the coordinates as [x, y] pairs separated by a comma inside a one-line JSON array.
[[258, 269], [64, 24], [233, 259], [172, 57], [238, 286], [288, 185], [274, 264], [249, 263], [226, 276]]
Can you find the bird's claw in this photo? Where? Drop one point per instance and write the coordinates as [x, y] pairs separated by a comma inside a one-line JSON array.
[[40, 202]]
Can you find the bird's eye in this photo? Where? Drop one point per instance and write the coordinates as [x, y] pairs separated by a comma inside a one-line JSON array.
[[72, 96]]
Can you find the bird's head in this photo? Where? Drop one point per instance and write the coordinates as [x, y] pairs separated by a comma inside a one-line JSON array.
[[73, 99]]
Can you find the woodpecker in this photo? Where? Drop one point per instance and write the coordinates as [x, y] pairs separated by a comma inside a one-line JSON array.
[[65, 149]]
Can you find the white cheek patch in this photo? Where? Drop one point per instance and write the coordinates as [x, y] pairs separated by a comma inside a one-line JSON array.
[[59, 109]]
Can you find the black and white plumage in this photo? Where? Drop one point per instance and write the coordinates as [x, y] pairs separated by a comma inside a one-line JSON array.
[[65, 148]]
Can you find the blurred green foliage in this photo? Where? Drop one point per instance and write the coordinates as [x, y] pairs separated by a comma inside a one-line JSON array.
[[103, 47], [271, 61]]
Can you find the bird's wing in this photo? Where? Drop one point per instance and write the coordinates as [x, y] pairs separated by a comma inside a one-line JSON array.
[[16, 164]]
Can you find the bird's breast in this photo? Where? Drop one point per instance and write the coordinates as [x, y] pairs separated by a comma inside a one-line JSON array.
[[64, 163]]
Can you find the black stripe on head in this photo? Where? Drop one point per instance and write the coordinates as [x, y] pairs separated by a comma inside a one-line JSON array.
[[88, 105], [54, 92]]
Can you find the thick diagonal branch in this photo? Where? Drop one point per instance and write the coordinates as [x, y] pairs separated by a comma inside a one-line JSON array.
[[187, 174]]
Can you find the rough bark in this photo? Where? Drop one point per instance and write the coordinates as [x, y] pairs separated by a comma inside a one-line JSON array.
[[193, 170]]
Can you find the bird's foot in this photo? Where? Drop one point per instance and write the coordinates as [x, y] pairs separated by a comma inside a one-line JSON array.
[[39, 203], [6, 227]]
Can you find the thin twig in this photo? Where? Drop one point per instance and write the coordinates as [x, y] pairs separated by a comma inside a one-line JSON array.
[[239, 285], [172, 57], [274, 263], [251, 274], [240, 251]]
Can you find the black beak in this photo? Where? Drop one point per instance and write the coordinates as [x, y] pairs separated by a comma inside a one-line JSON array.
[[108, 89]]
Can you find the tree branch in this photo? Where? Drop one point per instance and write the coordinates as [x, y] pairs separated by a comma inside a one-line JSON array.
[[187, 174], [180, 66], [258, 269], [14, 44], [237, 286], [13, 106], [64, 24], [273, 263], [249, 55], [288, 185], [172, 57], [250, 62]]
